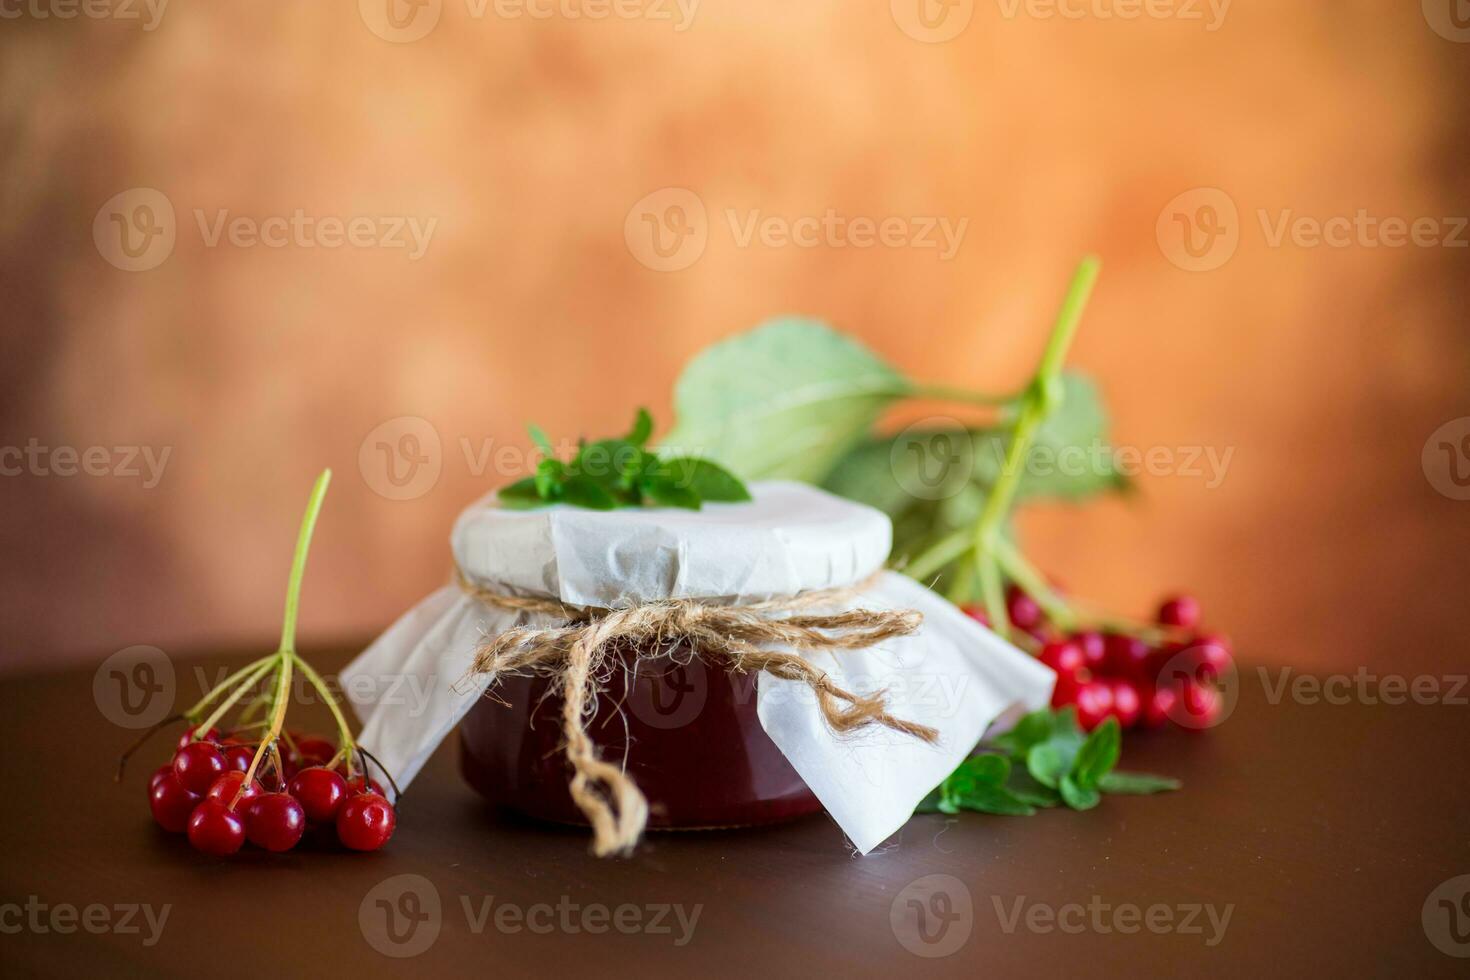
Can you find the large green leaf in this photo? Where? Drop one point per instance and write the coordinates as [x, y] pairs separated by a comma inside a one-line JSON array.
[[1070, 459], [788, 399]]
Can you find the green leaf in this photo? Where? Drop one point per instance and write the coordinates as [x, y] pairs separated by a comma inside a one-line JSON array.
[[788, 399], [1099, 754], [642, 428], [988, 798], [583, 491], [669, 494], [538, 436], [1033, 729], [709, 481], [1078, 797], [1136, 783], [1046, 765], [1024, 787], [548, 479], [521, 492]]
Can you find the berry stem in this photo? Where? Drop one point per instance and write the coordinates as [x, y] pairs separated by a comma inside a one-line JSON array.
[[298, 562], [344, 733], [193, 713], [1042, 397], [1024, 574], [245, 685]]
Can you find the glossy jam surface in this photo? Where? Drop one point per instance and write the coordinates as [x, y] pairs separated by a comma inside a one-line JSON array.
[[688, 731]]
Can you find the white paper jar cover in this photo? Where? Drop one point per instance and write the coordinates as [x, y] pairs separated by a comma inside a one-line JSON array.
[[953, 675]]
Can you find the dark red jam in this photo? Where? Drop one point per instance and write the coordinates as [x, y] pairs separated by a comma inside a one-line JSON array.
[[688, 732]]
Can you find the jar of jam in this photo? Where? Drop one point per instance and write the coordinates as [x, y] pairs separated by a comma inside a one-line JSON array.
[[705, 746], [686, 729]]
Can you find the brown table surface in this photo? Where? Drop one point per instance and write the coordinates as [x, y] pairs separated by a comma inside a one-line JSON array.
[[1322, 828]]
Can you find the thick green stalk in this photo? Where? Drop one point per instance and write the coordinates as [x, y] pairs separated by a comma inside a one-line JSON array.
[[1043, 396]]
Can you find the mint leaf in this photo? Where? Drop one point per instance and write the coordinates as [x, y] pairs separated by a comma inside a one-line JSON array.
[[1099, 754], [664, 491], [1024, 787], [538, 436], [521, 491], [1032, 729], [709, 481], [788, 399], [1078, 797], [988, 798], [1136, 783], [548, 478], [1046, 765], [583, 491], [642, 429]]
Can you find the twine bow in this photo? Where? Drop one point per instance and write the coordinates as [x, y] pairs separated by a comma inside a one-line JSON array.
[[736, 637]]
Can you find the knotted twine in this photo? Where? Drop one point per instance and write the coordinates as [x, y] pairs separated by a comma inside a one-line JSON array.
[[575, 655]]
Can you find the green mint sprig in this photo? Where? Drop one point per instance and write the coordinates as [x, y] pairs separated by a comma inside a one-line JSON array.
[[612, 473], [1045, 761]]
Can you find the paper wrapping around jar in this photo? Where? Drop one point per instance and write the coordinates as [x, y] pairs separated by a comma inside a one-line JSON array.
[[409, 687]]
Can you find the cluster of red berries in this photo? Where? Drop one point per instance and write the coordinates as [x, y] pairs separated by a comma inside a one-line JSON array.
[[1124, 677], [200, 793]]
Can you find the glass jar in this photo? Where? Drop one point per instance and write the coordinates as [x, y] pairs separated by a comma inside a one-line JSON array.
[[686, 731]]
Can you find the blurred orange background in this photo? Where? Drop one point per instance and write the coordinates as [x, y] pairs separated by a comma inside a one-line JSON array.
[[529, 143]]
